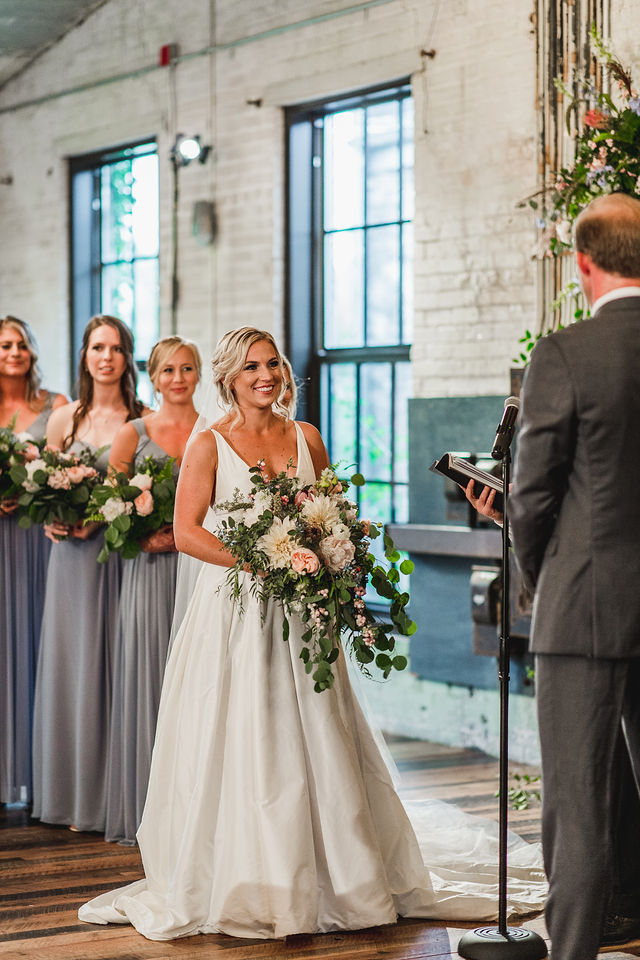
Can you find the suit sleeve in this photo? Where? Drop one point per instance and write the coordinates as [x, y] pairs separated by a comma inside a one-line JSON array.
[[545, 453]]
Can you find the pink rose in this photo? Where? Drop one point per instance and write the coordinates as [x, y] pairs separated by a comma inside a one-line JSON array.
[[31, 452], [304, 560], [59, 480], [337, 553], [300, 497], [596, 119], [144, 503], [366, 524], [76, 474]]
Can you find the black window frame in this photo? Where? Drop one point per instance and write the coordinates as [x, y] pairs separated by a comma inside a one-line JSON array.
[[85, 237], [304, 257]]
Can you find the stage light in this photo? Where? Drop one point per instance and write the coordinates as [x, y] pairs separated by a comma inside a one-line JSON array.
[[186, 149]]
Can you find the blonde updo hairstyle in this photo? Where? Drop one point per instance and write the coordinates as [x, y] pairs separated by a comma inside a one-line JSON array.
[[228, 362], [34, 377], [164, 350], [290, 385]]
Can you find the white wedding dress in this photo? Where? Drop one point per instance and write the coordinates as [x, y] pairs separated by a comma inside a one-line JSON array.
[[270, 810]]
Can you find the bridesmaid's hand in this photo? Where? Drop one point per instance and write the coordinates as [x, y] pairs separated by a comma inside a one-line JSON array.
[[82, 531], [57, 531], [9, 506], [161, 541]]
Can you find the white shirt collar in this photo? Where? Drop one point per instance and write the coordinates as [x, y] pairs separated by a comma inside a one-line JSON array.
[[616, 294]]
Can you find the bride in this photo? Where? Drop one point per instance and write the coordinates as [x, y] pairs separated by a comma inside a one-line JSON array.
[[270, 809]]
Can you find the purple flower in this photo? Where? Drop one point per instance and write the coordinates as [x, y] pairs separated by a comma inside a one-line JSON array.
[[634, 105], [598, 176]]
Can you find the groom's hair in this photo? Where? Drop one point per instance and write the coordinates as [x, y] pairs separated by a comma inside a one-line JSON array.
[[608, 231]]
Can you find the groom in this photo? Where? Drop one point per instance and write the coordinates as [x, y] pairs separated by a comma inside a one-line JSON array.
[[575, 518]]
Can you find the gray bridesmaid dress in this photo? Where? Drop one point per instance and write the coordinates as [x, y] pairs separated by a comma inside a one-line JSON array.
[[25, 554], [74, 680], [142, 640]]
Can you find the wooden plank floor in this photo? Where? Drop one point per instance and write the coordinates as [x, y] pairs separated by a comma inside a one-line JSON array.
[[47, 872]]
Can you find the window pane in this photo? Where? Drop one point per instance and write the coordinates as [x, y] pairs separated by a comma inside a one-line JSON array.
[[383, 286], [383, 163], [407, 283], [117, 292], [144, 217], [375, 504], [145, 390], [401, 504], [146, 306], [407, 159], [375, 421], [342, 426], [401, 425], [344, 289], [344, 170], [117, 204]]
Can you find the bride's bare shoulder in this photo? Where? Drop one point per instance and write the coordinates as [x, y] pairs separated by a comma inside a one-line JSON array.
[[316, 445], [202, 448]]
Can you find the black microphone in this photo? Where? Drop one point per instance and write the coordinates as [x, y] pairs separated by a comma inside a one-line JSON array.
[[504, 433]]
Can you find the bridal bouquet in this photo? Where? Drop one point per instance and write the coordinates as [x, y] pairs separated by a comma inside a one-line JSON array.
[[133, 508], [306, 547], [15, 450], [55, 486]]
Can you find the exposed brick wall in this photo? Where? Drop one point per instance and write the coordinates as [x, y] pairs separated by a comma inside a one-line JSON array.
[[475, 158]]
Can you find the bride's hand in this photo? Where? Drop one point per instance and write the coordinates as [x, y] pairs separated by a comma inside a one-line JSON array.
[[161, 541]]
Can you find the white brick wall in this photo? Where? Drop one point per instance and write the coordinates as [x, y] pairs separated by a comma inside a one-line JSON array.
[[475, 158]]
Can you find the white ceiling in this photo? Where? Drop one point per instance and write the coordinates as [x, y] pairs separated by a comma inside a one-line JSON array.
[[28, 27]]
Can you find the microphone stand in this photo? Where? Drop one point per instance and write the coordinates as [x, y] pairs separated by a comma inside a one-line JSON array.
[[503, 942]]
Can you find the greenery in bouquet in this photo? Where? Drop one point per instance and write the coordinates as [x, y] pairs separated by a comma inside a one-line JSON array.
[[55, 486], [15, 450], [133, 508], [306, 547], [606, 160]]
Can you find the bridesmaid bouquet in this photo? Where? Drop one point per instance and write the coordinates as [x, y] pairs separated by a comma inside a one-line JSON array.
[[133, 508], [15, 450], [306, 547], [55, 486]]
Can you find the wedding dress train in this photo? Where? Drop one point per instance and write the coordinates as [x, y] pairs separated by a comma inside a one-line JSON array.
[[270, 809]]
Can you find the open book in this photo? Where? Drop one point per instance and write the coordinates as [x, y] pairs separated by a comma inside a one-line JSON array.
[[461, 471]]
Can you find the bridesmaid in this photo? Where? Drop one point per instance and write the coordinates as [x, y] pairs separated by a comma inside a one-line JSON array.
[[24, 564], [148, 590], [73, 684]]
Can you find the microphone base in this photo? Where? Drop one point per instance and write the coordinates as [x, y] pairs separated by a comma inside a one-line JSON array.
[[488, 943]]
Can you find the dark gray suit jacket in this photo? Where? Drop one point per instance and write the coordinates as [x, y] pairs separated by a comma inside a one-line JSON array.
[[575, 506]]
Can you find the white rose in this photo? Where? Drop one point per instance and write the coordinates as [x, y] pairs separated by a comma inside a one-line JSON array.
[[340, 530], [261, 503], [115, 507], [25, 437], [563, 231], [34, 465], [141, 480]]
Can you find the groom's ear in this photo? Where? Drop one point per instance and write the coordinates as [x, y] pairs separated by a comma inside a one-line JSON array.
[[584, 263]]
